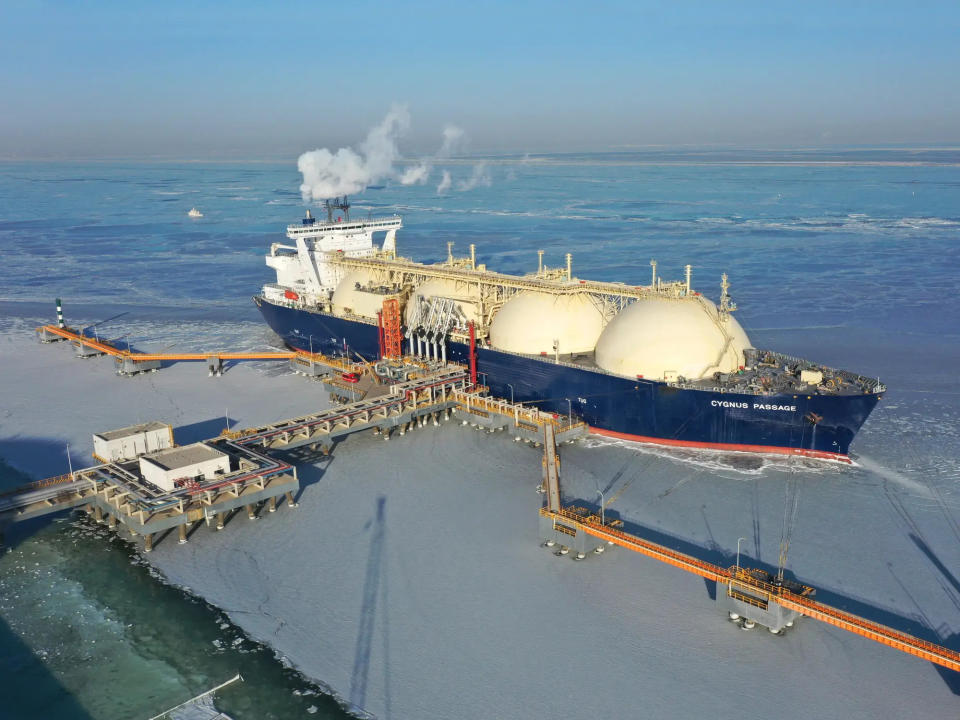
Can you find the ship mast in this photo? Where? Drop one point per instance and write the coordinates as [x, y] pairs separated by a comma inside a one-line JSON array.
[[337, 204]]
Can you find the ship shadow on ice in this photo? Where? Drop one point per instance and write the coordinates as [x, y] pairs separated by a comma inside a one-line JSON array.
[[917, 625], [30, 689]]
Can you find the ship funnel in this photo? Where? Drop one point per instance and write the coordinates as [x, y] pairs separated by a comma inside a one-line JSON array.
[[540, 262], [473, 256], [309, 215], [689, 269], [653, 277], [569, 267]]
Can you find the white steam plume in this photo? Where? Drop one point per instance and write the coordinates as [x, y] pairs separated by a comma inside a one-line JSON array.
[[327, 175], [480, 176], [348, 171], [445, 183], [453, 137], [415, 175]]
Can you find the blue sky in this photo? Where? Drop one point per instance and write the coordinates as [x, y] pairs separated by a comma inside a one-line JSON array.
[[256, 79]]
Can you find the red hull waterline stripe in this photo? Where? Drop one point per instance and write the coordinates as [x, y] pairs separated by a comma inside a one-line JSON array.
[[820, 454]]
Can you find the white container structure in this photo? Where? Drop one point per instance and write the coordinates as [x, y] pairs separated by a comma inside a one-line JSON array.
[[173, 468], [132, 442]]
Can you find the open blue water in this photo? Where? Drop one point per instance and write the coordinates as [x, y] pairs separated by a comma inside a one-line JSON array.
[[852, 262]]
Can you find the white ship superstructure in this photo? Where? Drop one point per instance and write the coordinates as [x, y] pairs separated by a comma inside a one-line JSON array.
[[304, 270]]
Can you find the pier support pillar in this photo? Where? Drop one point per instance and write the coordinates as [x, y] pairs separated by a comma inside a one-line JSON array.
[[250, 513], [290, 502], [219, 521], [272, 503], [148, 542], [182, 533], [98, 514], [111, 521]]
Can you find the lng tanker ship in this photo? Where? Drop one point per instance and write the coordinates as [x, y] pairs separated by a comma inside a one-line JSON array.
[[655, 363]]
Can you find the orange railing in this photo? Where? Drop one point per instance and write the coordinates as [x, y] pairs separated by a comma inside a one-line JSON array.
[[39, 485], [108, 349], [784, 596], [528, 416]]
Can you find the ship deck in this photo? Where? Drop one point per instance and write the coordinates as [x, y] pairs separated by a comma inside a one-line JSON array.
[[765, 373]]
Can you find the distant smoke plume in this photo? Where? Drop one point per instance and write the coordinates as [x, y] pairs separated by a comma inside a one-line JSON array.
[[452, 142], [453, 138], [415, 175], [445, 183], [327, 175], [480, 176]]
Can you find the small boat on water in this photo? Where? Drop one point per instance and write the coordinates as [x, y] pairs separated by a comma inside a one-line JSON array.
[[194, 213]]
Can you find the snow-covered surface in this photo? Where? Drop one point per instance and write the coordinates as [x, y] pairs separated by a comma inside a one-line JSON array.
[[411, 581]]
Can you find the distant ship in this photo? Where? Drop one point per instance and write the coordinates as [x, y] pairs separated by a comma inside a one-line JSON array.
[[657, 363], [194, 213]]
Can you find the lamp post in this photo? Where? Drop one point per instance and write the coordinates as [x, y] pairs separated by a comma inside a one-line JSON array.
[[511, 392], [602, 519], [69, 461], [569, 411], [739, 540]]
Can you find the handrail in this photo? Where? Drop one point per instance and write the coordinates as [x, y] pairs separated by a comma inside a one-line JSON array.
[[40, 484], [782, 595], [675, 290], [530, 415], [107, 348]]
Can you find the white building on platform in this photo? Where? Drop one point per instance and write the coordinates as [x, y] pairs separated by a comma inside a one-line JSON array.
[[131, 442], [172, 468]]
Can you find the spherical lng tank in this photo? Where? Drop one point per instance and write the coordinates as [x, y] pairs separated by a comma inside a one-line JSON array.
[[348, 300], [661, 337], [531, 322], [466, 296]]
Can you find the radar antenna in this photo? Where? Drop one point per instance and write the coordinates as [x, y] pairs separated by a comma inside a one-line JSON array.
[[337, 204]]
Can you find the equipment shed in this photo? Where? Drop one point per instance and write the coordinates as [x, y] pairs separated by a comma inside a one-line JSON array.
[[172, 468], [131, 442]]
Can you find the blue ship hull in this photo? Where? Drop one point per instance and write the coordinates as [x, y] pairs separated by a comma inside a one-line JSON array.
[[615, 406]]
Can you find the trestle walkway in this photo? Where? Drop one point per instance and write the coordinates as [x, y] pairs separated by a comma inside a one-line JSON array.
[[792, 596]]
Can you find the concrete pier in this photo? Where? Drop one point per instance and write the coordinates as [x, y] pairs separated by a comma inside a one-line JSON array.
[[748, 600]]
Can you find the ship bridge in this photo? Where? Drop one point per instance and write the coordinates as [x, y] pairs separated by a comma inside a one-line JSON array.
[[316, 229], [303, 269]]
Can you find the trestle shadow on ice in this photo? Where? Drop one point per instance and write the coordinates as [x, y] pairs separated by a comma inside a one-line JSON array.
[[918, 626], [311, 465], [951, 678], [36, 458], [30, 689], [202, 430], [375, 592]]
